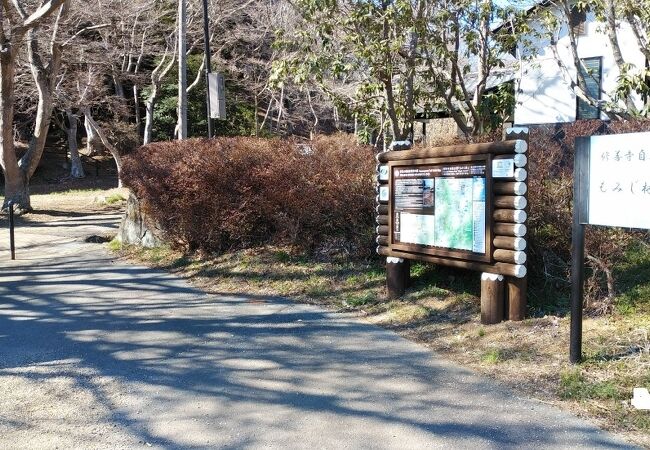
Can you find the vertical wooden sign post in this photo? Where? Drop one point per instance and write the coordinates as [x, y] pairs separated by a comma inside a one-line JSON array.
[[517, 288], [611, 188], [580, 211], [398, 270]]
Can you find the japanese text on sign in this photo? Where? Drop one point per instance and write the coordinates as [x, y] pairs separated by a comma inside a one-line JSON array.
[[619, 180]]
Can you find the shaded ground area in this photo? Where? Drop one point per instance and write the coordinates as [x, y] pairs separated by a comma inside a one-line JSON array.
[[96, 353], [442, 311]]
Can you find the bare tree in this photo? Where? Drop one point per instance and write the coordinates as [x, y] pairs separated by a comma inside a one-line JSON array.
[[18, 24], [157, 76]]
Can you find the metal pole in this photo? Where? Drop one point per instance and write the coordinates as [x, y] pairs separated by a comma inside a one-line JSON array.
[[580, 212], [12, 243], [577, 283], [208, 65]]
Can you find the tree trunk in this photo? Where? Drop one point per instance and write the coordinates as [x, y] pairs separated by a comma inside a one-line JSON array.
[[18, 173], [136, 104], [182, 69], [29, 162], [149, 110], [16, 188], [148, 121], [119, 87], [90, 122], [93, 144], [257, 119], [76, 167], [483, 67], [610, 15]]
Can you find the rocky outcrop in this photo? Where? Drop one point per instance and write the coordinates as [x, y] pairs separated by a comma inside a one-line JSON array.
[[138, 229]]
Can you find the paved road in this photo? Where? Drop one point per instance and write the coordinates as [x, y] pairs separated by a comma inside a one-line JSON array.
[[99, 354]]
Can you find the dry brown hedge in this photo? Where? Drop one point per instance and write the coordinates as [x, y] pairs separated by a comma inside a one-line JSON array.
[[550, 198], [226, 193]]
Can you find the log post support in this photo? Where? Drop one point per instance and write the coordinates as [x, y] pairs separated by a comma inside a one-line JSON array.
[[516, 298], [492, 298], [516, 289], [398, 276]]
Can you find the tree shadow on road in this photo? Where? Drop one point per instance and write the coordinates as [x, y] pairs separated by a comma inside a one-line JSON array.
[[239, 373]]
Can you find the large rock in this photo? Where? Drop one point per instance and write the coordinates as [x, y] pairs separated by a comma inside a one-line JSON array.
[[137, 228]]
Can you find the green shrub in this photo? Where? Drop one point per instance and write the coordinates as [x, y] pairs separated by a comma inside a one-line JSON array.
[[226, 193]]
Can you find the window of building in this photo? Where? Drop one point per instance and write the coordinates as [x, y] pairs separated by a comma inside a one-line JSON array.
[[591, 70], [578, 20]]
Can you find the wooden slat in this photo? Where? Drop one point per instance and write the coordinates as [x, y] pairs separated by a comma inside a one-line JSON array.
[[512, 270], [520, 159], [382, 230], [382, 209], [509, 256], [509, 229], [509, 215], [509, 201], [496, 148], [382, 220], [510, 188], [509, 243]]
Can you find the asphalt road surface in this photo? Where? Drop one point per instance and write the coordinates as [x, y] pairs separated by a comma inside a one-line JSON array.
[[100, 354]]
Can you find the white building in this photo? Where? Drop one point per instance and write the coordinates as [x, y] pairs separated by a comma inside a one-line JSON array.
[[543, 88]]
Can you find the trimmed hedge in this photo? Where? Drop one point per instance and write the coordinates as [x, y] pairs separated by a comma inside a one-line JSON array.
[[230, 193], [227, 193]]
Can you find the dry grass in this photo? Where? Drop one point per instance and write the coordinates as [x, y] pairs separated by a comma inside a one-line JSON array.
[[441, 311]]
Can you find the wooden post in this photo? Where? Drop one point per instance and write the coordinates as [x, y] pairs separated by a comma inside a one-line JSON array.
[[398, 274], [580, 215], [492, 298], [516, 298], [398, 270], [517, 288]]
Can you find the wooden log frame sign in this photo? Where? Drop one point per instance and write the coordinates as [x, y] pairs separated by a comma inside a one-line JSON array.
[[462, 206]]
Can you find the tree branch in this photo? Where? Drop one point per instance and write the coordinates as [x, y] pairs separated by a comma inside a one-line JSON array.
[[42, 13]]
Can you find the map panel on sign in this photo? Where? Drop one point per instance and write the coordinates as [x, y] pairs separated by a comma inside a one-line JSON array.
[[441, 205]]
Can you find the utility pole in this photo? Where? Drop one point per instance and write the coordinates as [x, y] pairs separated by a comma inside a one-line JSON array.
[[182, 69], [208, 65]]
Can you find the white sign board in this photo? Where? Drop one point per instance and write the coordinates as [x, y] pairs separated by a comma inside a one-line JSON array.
[[217, 88], [619, 180], [384, 194], [383, 173], [503, 168]]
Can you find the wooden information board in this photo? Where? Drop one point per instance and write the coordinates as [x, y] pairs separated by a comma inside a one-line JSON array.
[[440, 207], [461, 206]]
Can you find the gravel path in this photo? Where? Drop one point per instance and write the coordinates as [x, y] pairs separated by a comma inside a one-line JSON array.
[[96, 353]]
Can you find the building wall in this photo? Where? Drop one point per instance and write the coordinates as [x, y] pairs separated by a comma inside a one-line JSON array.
[[544, 93]]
